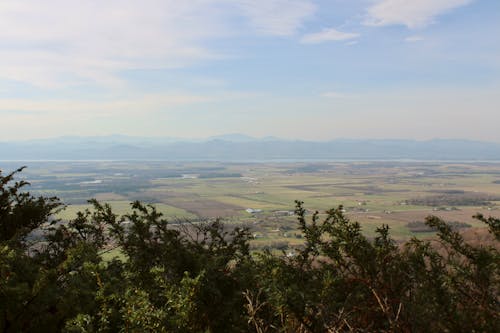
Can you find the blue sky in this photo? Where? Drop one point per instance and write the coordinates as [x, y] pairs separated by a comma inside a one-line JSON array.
[[300, 69]]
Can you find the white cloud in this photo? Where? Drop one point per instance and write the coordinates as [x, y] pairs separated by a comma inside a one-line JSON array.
[[412, 13], [327, 35], [412, 39], [277, 17], [55, 43]]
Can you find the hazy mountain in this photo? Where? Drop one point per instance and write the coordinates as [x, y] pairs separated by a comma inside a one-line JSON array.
[[233, 137], [237, 147]]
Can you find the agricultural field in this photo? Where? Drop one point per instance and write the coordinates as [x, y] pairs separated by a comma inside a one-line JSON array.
[[262, 195]]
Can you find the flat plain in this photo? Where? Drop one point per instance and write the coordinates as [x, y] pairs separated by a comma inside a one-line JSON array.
[[262, 195]]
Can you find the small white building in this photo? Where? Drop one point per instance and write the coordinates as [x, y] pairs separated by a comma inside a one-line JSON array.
[[253, 211]]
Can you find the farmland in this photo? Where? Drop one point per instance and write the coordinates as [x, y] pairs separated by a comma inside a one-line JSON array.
[[261, 195]]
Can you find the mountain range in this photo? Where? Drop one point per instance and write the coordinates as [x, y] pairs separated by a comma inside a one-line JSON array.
[[238, 147]]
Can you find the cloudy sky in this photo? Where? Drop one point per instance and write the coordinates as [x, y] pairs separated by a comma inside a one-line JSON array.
[[303, 69]]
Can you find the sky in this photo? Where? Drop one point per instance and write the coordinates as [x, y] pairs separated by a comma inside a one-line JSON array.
[[296, 69]]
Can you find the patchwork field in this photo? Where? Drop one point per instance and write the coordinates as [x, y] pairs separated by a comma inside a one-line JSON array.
[[261, 195]]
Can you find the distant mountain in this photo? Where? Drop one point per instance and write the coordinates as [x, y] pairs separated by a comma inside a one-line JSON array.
[[237, 147], [234, 137]]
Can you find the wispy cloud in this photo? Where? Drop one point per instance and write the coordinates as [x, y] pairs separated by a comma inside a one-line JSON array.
[[67, 42], [413, 14], [327, 35], [413, 39], [72, 42], [277, 17]]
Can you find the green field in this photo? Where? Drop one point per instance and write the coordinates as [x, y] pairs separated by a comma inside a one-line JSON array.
[[373, 193]]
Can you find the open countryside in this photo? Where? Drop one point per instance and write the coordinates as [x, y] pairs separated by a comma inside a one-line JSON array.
[[261, 195]]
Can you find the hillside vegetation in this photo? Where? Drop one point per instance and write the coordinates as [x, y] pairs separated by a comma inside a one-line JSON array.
[[101, 272]]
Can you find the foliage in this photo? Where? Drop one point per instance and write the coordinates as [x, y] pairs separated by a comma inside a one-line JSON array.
[[202, 278], [341, 281], [421, 226]]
